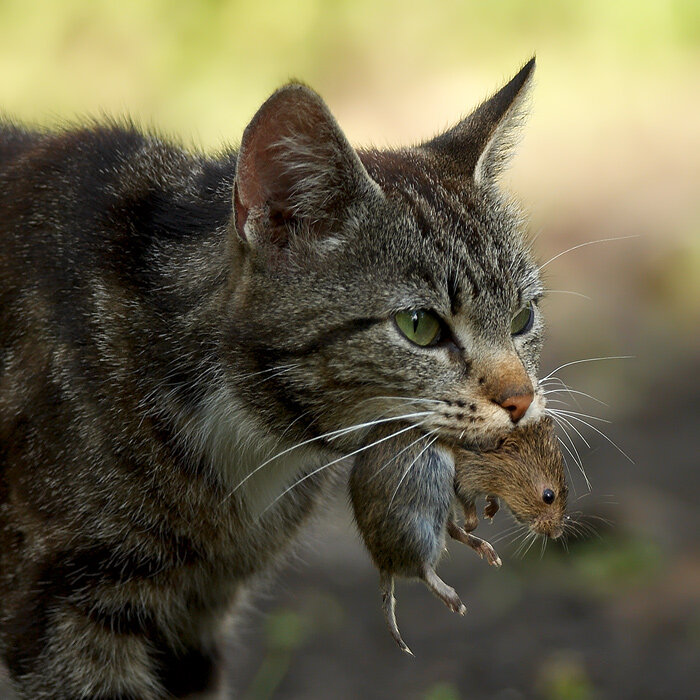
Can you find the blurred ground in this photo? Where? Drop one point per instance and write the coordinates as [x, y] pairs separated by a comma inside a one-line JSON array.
[[611, 148]]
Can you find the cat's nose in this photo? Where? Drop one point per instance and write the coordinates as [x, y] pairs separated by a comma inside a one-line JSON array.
[[517, 405]]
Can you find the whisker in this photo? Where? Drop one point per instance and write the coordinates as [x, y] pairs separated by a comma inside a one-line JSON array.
[[335, 461], [583, 245], [532, 541], [402, 398], [525, 545], [508, 533], [589, 359], [408, 468], [568, 470], [578, 464], [600, 432], [574, 391], [567, 291], [563, 419], [331, 435], [398, 454], [578, 413]]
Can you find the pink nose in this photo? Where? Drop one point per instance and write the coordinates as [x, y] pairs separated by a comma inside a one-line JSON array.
[[517, 405]]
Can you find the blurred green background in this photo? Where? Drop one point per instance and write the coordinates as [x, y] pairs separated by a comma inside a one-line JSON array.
[[611, 148]]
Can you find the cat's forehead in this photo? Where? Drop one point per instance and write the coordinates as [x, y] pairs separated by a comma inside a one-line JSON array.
[[466, 241]]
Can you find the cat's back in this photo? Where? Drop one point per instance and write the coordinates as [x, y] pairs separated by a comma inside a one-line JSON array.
[[99, 205], [98, 223], [15, 141]]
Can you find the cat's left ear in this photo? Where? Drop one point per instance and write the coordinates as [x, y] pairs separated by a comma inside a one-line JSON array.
[[296, 173], [480, 146]]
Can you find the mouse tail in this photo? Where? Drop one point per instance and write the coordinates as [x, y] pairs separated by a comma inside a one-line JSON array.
[[386, 586]]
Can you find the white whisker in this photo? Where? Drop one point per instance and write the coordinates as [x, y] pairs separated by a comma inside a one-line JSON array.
[[335, 461], [564, 420], [583, 245], [589, 359], [399, 453], [583, 415], [600, 432], [408, 468], [567, 291], [574, 391], [331, 435]]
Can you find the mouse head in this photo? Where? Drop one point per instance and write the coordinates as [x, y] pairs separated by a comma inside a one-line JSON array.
[[527, 472]]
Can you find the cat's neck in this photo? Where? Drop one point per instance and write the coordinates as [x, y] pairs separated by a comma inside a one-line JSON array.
[[254, 466]]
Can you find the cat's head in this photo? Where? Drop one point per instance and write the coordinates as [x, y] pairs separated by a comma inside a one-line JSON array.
[[375, 284]]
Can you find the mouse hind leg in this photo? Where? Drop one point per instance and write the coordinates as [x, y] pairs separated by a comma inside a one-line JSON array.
[[439, 588], [386, 586]]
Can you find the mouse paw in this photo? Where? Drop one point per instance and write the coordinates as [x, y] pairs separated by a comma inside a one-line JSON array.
[[485, 551], [491, 507], [481, 547]]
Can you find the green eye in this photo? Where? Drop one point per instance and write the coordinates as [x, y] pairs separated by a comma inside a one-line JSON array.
[[419, 326], [522, 321]]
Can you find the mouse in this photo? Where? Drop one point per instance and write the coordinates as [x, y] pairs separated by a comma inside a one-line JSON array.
[[407, 493], [526, 472], [402, 493]]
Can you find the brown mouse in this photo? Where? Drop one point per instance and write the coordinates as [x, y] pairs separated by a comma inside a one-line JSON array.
[[526, 472], [405, 489]]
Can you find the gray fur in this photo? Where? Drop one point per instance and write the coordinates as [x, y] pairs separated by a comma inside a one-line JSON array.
[[173, 327]]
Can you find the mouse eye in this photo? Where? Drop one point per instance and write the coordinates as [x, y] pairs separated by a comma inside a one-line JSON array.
[[548, 496]]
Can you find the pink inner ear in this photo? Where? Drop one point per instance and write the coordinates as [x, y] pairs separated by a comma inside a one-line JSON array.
[[294, 163], [266, 171]]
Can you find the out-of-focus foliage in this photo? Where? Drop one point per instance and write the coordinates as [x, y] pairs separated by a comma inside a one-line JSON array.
[[200, 67]]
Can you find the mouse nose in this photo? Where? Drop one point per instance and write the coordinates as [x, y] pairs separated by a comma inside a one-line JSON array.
[[517, 405]]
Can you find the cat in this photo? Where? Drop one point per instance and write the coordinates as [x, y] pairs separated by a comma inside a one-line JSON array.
[[190, 345]]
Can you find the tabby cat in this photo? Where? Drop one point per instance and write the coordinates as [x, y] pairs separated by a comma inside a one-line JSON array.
[[189, 345]]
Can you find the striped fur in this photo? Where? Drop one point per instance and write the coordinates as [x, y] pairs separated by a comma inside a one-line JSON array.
[[171, 322]]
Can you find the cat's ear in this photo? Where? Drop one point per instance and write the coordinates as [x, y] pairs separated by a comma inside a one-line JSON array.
[[480, 146], [296, 173]]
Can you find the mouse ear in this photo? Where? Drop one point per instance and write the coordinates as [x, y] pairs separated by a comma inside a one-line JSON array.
[[296, 173], [480, 146]]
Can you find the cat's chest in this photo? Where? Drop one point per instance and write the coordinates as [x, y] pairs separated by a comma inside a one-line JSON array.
[[263, 474]]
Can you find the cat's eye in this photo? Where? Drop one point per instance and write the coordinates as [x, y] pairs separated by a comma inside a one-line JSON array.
[[523, 320], [419, 326]]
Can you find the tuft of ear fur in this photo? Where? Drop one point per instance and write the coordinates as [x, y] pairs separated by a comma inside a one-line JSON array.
[[296, 172], [480, 146]]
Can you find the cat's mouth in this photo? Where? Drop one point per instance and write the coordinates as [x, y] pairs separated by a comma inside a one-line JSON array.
[[486, 443]]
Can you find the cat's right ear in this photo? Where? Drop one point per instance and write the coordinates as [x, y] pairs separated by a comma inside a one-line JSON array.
[[296, 173], [480, 146]]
